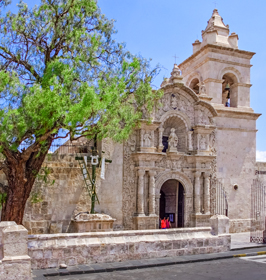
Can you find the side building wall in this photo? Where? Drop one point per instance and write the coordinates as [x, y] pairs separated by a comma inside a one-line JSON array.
[[55, 204], [52, 206], [236, 158], [110, 190]]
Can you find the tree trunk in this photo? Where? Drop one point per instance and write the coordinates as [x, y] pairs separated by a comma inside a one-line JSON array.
[[21, 177]]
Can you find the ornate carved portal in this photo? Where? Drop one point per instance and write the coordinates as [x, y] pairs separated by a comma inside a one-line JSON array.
[[178, 146]]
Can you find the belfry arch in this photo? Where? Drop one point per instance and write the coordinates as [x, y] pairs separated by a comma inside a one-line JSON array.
[[229, 90], [194, 85]]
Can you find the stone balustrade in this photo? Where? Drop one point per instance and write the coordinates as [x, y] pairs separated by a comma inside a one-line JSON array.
[[51, 250]]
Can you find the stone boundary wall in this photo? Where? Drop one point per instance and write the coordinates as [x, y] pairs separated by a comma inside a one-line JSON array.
[[51, 250], [239, 225]]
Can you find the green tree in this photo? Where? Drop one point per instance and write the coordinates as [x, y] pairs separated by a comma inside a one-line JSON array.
[[62, 75]]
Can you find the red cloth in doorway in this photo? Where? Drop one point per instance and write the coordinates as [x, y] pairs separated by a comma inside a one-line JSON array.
[[163, 224]]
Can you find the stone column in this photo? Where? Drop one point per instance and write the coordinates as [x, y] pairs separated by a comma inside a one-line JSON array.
[[152, 173], [141, 174], [197, 192], [4, 225], [190, 146], [160, 147], [206, 193], [207, 142], [141, 138], [16, 263], [152, 138], [176, 201], [198, 140]]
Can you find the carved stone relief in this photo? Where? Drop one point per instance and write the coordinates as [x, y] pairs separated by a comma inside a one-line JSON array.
[[212, 143], [172, 141], [147, 139], [213, 173], [204, 116], [108, 147], [129, 182], [203, 142], [174, 101], [171, 164], [178, 102]]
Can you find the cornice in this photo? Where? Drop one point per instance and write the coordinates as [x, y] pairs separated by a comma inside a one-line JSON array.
[[237, 113], [236, 129], [214, 48]]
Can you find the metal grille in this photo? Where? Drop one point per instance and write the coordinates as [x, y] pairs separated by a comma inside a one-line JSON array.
[[258, 212], [219, 204]]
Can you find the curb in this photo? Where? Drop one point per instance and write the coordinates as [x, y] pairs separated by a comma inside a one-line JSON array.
[[250, 254], [65, 272], [250, 247]]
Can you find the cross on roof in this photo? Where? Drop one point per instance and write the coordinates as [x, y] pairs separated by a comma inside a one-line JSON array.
[[175, 57], [215, 4]]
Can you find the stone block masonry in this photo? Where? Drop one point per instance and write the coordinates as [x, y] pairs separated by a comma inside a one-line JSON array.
[[14, 260], [49, 251]]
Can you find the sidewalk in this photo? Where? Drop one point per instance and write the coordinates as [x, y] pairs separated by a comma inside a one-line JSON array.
[[240, 247], [242, 241]]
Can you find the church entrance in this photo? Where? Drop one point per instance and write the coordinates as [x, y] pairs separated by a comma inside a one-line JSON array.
[[172, 202]]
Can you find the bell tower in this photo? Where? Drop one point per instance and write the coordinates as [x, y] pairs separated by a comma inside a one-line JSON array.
[[220, 66], [219, 73]]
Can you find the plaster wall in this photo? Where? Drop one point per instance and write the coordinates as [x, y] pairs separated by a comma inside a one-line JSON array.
[[110, 190], [261, 166], [236, 150]]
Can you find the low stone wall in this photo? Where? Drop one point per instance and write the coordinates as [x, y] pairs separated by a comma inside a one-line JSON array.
[[239, 225], [48, 251]]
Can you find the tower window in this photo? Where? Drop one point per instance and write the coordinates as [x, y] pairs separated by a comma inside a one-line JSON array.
[[194, 85]]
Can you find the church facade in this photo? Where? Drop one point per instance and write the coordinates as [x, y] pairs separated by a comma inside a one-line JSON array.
[[197, 157], [192, 157]]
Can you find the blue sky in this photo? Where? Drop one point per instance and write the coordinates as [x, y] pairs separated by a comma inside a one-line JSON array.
[[160, 29]]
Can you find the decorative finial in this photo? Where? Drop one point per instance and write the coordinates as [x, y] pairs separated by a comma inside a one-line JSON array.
[[176, 72]]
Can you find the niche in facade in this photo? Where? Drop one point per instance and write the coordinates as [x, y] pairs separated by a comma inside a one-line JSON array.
[[180, 130]]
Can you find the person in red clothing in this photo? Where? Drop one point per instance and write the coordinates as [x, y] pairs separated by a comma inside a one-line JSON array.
[[163, 223], [168, 223]]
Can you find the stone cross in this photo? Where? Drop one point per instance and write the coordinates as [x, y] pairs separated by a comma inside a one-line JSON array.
[[175, 57]]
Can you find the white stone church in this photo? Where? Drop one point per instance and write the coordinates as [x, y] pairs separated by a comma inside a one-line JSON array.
[[195, 159], [198, 156]]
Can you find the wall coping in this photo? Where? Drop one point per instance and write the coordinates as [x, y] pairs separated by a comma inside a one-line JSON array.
[[120, 233]]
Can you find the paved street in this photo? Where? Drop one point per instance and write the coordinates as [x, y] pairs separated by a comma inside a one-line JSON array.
[[227, 269], [260, 259]]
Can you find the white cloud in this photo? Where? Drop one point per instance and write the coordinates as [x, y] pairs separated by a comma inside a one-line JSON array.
[[261, 156]]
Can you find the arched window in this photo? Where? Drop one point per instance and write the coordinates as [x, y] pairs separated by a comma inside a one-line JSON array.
[[194, 85], [229, 90]]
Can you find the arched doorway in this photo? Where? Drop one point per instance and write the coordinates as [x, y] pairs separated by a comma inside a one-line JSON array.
[[172, 202]]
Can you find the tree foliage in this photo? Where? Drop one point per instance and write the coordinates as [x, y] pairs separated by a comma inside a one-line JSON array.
[[63, 75]]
